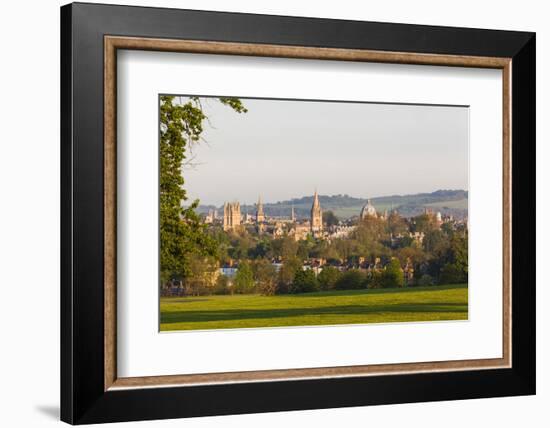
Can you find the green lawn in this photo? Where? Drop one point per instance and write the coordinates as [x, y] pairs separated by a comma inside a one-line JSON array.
[[338, 307]]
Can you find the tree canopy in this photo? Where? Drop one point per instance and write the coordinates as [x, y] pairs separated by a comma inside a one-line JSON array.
[[183, 236]]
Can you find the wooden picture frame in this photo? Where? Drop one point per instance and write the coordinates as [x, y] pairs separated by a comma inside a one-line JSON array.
[[91, 390]]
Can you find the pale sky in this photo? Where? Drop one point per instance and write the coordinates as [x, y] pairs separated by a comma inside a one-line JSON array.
[[287, 149]]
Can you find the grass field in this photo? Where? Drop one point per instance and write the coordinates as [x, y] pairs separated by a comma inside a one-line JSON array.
[[338, 307], [460, 204]]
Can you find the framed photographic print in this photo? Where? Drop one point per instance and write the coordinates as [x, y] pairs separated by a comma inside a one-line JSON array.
[[265, 213]]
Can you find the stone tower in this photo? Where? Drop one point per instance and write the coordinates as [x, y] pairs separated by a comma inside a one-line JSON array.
[[316, 215], [260, 217], [231, 215], [292, 215]]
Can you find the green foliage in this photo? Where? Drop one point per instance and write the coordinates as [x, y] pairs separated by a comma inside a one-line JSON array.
[[451, 274], [285, 247], [459, 249], [330, 219], [425, 280], [397, 224], [241, 247], [262, 249], [306, 248], [443, 246], [265, 276], [235, 103], [371, 229], [222, 285], [405, 242], [202, 275], [324, 249], [287, 273], [414, 254], [305, 281], [393, 275], [435, 242], [353, 279], [447, 229], [328, 278], [369, 239], [457, 269], [375, 280], [182, 234], [244, 279], [422, 223]]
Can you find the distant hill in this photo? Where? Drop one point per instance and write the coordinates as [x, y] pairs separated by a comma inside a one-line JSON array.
[[454, 202]]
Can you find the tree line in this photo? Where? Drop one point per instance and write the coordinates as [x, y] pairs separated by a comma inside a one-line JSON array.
[[440, 258], [260, 277]]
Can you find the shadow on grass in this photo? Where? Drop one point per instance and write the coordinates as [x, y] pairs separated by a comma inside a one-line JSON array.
[[330, 293], [243, 314], [363, 291]]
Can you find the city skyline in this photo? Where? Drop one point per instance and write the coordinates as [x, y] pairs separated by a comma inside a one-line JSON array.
[[284, 150]]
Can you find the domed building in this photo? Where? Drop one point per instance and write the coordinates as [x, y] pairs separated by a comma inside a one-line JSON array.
[[368, 210]]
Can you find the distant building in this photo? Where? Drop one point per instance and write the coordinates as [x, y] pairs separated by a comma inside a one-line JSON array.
[[418, 237], [278, 230], [210, 217], [229, 270], [277, 265], [341, 231], [438, 218], [249, 219], [316, 216], [408, 272], [435, 218], [300, 230], [368, 211], [260, 216], [231, 215]]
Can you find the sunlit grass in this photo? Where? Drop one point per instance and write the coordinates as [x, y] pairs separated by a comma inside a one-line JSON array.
[[338, 307]]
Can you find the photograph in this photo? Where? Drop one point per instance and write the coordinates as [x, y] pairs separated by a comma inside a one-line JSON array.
[[267, 211], [288, 212]]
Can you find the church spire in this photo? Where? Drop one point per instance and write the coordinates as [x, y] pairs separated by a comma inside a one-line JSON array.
[[260, 217], [316, 200], [316, 215]]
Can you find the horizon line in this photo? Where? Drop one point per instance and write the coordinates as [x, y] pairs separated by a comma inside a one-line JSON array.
[[232, 200]]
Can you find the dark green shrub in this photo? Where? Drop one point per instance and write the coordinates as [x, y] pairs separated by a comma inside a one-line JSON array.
[[353, 279], [451, 273], [304, 281], [222, 285], [425, 280], [393, 275], [328, 278]]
